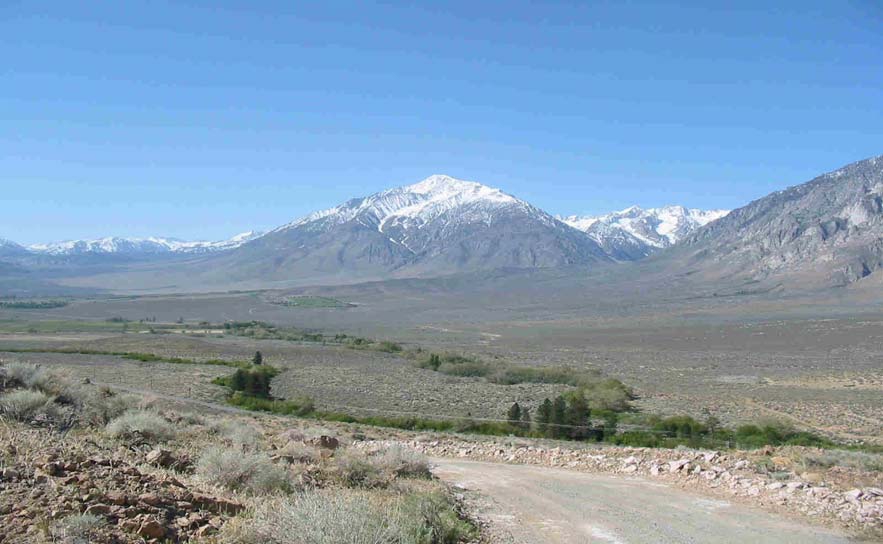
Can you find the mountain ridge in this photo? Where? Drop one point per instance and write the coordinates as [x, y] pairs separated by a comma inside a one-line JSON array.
[[635, 232]]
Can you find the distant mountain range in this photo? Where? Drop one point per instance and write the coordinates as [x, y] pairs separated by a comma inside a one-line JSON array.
[[138, 246], [828, 231], [435, 222]]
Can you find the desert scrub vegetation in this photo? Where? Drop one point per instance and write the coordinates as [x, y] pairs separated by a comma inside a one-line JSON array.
[[23, 304], [135, 356], [76, 529], [27, 405], [602, 392], [825, 459], [141, 424], [354, 517], [238, 434], [250, 472], [403, 462], [36, 393], [378, 468]]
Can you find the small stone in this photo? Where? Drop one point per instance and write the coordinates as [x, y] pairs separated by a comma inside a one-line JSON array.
[[152, 529], [853, 495], [160, 457], [151, 499], [675, 466], [116, 497]]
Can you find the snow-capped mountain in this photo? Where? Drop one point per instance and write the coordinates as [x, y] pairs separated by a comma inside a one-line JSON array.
[[439, 225], [8, 248], [138, 246], [635, 232]]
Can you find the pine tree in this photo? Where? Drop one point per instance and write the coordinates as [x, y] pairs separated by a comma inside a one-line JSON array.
[[544, 417], [559, 417], [237, 381], [514, 414], [525, 419], [257, 359], [578, 416], [434, 361]]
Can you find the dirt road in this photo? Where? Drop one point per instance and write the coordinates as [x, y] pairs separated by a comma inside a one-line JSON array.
[[534, 505]]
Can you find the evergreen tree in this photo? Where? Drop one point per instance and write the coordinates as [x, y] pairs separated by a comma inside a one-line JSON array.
[[559, 417], [610, 423], [544, 417], [257, 359], [514, 414], [434, 361], [525, 419], [578, 416], [237, 381], [248, 386]]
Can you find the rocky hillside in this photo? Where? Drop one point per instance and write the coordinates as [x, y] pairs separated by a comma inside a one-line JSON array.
[[828, 231]]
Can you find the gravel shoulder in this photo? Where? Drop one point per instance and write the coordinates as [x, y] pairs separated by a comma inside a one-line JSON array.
[[529, 504]]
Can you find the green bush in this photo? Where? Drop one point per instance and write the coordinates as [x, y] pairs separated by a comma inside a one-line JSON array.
[[300, 407]]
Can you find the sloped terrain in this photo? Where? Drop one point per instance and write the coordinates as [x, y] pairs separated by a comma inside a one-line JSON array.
[[828, 231]]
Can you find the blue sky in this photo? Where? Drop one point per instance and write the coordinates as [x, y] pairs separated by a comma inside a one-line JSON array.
[[203, 119]]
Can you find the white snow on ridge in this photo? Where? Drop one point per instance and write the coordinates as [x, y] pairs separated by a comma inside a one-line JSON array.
[[414, 205], [150, 245], [655, 227]]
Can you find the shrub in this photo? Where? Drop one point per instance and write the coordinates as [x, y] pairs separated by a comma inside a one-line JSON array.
[[98, 408], [233, 469], [299, 407], [440, 521], [239, 435], [356, 470], [469, 369], [333, 517], [300, 452], [141, 424], [25, 405], [402, 462], [76, 529], [30, 376], [867, 462]]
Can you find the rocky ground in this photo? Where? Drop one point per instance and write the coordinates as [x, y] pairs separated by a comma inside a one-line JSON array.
[[53, 479]]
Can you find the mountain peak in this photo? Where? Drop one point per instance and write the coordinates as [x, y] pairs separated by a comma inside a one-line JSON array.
[[440, 186]]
